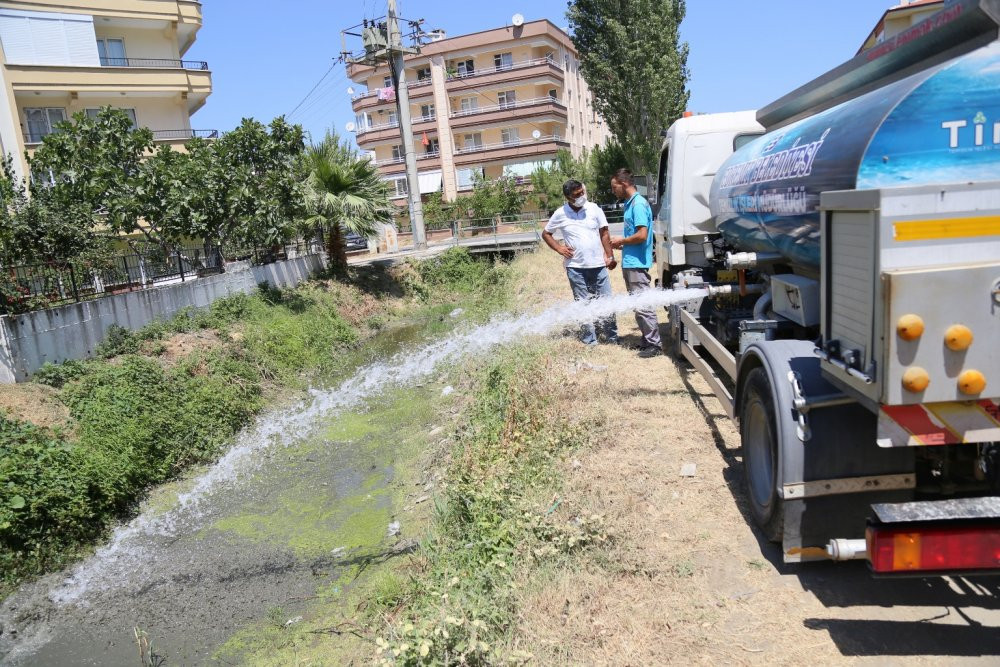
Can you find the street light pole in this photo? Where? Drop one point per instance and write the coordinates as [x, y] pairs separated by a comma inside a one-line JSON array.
[[396, 67]]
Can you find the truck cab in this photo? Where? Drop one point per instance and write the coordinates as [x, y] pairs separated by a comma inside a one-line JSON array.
[[694, 148]]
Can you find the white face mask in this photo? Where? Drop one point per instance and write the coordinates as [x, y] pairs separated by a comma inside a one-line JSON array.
[[580, 201]]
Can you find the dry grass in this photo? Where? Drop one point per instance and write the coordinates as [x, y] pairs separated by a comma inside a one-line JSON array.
[[178, 346], [684, 580], [34, 403]]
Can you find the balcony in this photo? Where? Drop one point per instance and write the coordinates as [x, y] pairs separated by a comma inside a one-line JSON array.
[[158, 63], [369, 99], [389, 131], [151, 77], [524, 69], [33, 140], [507, 150], [509, 111], [394, 165]]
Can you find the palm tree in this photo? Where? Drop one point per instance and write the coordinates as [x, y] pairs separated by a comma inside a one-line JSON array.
[[343, 191]]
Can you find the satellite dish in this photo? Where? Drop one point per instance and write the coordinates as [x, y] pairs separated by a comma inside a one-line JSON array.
[[350, 90], [517, 20], [535, 134], [349, 127]]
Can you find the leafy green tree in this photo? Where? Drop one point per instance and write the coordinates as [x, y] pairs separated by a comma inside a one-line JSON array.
[[438, 214], [604, 162], [38, 228], [632, 59], [495, 197], [94, 164], [547, 181], [343, 191]]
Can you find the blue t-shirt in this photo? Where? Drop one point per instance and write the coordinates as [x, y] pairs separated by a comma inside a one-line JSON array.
[[638, 213]]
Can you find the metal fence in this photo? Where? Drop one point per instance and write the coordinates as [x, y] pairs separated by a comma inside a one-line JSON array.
[[27, 287]]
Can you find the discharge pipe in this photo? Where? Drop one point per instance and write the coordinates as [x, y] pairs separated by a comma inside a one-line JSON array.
[[844, 549], [730, 288], [750, 260]]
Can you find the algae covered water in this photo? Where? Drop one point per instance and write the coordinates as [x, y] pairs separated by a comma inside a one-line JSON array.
[[252, 531]]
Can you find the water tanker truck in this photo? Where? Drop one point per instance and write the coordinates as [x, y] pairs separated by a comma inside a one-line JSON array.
[[848, 236]]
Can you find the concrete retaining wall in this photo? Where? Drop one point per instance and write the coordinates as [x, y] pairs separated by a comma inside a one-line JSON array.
[[73, 332]]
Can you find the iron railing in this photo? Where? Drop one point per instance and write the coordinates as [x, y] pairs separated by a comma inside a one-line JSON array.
[[27, 287], [160, 63], [510, 143], [504, 106], [166, 135]]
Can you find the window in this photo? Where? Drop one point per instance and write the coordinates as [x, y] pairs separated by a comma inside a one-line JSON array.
[[393, 118], [510, 136], [741, 140], [363, 121], [553, 93], [387, 82], [427, 111], [433, 147], [469, 104], [92, 113], [503, 61], [472, 141], [112, 52], [41, 121], [397, 152], [467, 177], [507, 99], [466, 67], [424, 74], [399, 187]]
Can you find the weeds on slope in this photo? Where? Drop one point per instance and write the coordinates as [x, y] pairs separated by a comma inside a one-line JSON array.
[[494, 521], [139, 419]]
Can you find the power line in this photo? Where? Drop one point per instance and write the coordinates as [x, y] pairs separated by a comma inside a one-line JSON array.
[[325, 74], [320, 96]]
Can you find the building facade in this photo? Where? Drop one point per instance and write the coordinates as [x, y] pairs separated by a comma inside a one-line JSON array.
[[60, 57], [496, 102], [899, 18]]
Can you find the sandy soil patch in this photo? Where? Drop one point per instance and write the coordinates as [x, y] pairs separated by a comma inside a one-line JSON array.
[[37, 404], [687, 578], [180, 345]]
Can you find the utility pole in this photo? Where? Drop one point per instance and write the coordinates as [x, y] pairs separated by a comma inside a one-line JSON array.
[[396, 67], [383, 44]]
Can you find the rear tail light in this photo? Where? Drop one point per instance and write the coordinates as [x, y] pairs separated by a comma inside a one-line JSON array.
[[917, 548]]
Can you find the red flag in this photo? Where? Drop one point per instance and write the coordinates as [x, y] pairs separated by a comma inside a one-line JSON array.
[[425, 141]]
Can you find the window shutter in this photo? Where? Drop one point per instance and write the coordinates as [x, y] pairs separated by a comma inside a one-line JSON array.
[[81, 44], [46, 38], [16, 37]]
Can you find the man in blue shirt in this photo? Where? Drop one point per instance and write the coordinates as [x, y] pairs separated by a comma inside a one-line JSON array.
[[637, 254]]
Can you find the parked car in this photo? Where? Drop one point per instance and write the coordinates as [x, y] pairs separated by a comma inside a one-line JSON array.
[[355, 241]]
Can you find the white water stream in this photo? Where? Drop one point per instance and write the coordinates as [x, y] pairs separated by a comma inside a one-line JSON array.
[[125, 554]]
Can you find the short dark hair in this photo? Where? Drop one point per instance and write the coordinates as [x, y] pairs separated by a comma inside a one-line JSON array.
[[624, 175], [571, 186]]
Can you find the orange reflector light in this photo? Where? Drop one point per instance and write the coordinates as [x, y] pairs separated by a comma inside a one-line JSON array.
[[919, 549]]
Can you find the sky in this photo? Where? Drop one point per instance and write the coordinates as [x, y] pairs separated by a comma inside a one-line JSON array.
[[743, 53]]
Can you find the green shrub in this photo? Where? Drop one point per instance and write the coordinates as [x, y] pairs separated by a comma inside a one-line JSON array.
[[56, 375], [117, 341]]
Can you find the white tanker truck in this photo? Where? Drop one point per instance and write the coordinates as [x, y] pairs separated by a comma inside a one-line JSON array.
[[849, 237]]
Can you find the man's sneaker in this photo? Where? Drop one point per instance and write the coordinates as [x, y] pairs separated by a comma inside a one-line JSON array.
[[647, 352]]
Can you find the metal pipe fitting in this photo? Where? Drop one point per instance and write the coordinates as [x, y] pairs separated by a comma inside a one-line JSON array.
[[844, 549], [729, 288], [749, 260], [761, 306]]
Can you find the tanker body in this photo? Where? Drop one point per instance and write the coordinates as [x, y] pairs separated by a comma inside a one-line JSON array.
[[849, 238]]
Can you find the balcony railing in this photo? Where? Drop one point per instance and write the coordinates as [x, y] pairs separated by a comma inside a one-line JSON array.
[[426, 155], [521, 64], [158, 63], [517, 104], [167, 135], [389, 126], [31, 139], [512, 143], [410, 85]]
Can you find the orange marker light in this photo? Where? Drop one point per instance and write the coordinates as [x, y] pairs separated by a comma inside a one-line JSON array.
[[910, 326], [971, 382], [915, 379], [958, 337], [906, 551]]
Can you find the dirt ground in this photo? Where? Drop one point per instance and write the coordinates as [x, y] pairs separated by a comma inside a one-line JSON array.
[[688, 578]]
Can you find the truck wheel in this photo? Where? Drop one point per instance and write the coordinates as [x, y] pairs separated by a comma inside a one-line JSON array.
[[675, 334], [759, 439]]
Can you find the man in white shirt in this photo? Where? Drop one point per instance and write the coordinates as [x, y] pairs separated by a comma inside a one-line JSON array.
[[587, 249]]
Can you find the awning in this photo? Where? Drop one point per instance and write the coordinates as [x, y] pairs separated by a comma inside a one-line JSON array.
[[429, 181], [524, 168]]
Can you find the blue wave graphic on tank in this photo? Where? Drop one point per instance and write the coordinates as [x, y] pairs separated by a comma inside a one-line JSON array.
[[766, 197], [945, 131]]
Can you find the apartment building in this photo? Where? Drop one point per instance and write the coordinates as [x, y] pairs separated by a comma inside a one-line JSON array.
[[899, 18], [492, 102], [60, 57]]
